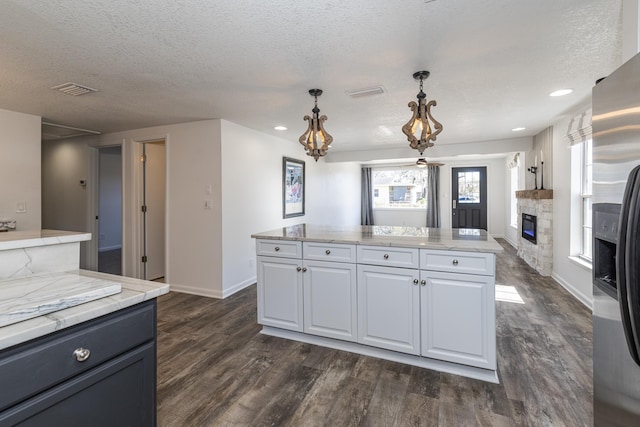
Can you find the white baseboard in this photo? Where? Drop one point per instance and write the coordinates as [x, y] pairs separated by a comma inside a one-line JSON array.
[[109, 248], [213, 293], [511, 242], [238, 287], [587, 300]]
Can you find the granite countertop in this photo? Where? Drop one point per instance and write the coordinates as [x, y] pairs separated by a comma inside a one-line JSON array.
[[134, 291], [456, 239], [32, 238]]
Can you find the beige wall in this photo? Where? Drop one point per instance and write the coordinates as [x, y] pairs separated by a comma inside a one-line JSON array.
[[20, 168]]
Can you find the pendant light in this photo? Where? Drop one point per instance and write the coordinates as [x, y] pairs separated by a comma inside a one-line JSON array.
[[316, 140], [422, 128]]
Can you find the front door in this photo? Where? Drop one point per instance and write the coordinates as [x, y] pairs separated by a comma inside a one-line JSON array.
[[469, 197]]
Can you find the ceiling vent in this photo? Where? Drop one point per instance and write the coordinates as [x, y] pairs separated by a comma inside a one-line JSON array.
[[74, 89], [360, 93]]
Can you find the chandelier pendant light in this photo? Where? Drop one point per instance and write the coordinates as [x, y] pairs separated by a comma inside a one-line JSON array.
[[316, 140], [422, 128]]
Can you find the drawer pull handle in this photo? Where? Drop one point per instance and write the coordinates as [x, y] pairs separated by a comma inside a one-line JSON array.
[[455, 262], [299, 268], [423, 282], [415, 281], [328, 252], [81, 354], [277, 248], [386, 256], [304, 269]]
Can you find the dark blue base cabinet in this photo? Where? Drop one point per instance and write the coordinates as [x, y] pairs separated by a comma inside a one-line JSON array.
[[46, 382]]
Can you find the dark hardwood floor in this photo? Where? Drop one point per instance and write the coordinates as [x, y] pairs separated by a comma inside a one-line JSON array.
[[215, 369]]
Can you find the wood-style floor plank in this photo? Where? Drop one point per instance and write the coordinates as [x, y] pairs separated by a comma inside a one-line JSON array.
[[216, 369]]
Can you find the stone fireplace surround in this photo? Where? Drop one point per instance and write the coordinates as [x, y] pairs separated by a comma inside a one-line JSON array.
[[539, 203]]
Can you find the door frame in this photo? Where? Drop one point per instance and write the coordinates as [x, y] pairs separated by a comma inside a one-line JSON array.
[[93, 201], [137, 240], [486, 190]]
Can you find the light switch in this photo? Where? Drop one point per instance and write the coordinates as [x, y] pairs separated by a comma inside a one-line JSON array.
[[22, 207], [208, 204]]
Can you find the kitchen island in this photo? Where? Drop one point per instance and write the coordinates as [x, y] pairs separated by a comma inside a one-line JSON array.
[[415, 295], [76, 346]]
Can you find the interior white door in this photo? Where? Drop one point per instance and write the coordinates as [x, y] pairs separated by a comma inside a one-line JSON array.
[[154, 199]]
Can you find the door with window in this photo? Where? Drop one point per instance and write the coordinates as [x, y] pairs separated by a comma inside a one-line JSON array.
[[469, 197]]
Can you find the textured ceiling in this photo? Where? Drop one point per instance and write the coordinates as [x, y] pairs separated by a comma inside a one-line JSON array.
[[493, 63]]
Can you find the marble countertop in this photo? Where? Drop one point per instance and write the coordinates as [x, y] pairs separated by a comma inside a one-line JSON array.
[[457, 239], [134, 291], [31, 238]]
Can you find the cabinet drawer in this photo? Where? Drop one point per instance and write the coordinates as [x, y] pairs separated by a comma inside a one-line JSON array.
[[279, 248], [458, 262], [386, 256], [44, 362], [329, 252]]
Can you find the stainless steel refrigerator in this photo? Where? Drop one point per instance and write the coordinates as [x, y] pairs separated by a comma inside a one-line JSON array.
[[616, 251]]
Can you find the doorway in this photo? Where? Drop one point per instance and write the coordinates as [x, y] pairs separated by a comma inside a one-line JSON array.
[[153, 210], [110, 210], [469, 197]]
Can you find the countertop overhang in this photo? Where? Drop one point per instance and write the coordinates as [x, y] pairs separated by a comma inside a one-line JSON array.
[[134, 291], [453, 239], [33, 238]]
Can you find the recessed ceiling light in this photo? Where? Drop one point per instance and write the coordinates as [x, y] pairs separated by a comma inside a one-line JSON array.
[[517, 129], [561, 92], [280, 127]]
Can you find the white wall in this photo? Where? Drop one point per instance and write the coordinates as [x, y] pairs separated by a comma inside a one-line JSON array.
[[20, 168], [574, 276], [252, 196], [209, 252], [512, 234], [400, 217], [110, 205]]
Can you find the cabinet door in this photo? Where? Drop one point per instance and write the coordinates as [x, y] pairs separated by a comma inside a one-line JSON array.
[[458, 318], [330, 300], [121, 392], [280, 293], [389, 308]]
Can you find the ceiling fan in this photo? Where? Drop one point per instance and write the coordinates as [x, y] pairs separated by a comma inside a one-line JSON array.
[[423, 163]]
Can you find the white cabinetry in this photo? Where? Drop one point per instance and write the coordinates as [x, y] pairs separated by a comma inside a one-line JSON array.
[[280, 293], [389, 308], [458, 309], [330, 299]]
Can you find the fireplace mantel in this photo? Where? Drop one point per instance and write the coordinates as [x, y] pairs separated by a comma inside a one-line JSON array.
[[534, 194]]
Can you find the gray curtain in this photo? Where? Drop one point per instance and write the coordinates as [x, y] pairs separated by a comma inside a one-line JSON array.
[[433, 196], [366, 211]]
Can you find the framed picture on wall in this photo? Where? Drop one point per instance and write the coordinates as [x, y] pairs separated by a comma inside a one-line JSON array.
[[293, 181]]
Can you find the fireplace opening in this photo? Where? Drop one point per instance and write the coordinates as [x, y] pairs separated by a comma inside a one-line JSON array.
[[529, 228]]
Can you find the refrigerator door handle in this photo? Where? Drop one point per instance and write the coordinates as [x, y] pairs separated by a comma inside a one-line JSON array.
[[626, 271]]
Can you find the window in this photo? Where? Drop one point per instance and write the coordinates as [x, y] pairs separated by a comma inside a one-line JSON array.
[[399, 188], [586, 161], [469, 187]]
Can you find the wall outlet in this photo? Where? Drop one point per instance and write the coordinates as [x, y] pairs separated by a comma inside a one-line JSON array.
[[22, 207]]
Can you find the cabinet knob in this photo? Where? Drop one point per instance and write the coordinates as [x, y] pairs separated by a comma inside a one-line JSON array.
[[299, 268], [328, 252], [277, 248], [415, 281], [386, 256], [423, 282], [81, 354], [455, 262], [304, 269]]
